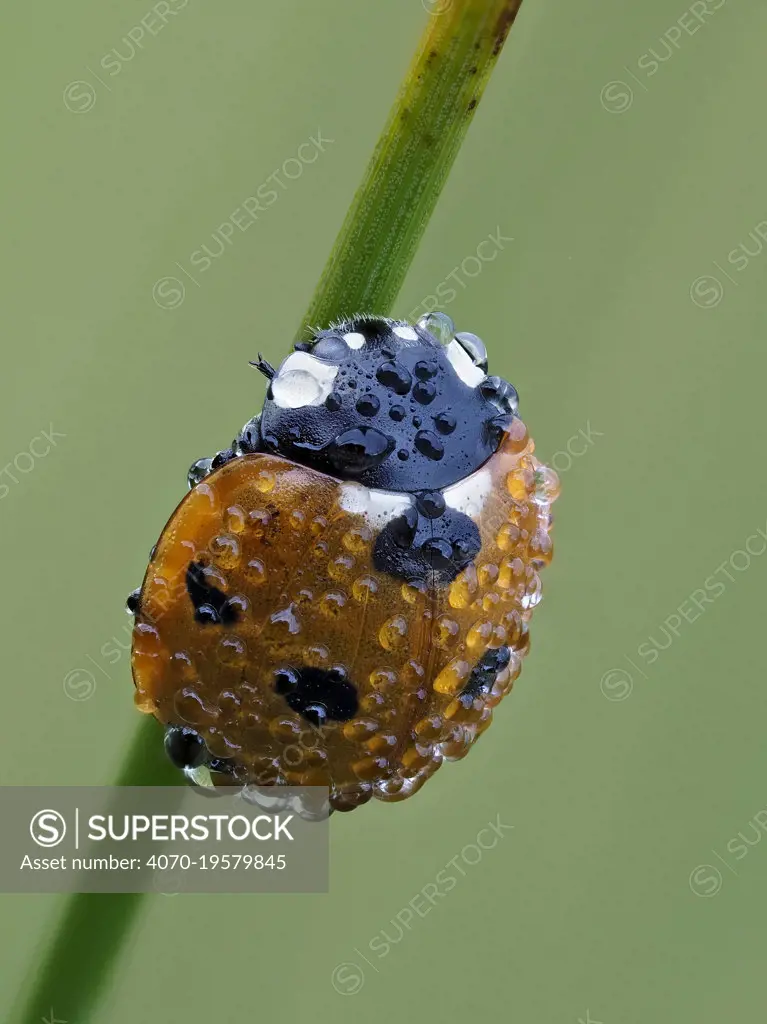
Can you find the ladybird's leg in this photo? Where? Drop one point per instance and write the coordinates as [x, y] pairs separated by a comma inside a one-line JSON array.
[[211, 776], [203, 467], [133, 601], [249, 439], [187, 750], [247, 442]]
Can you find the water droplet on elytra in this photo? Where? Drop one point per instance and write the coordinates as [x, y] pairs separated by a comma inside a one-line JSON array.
[[429, 444]]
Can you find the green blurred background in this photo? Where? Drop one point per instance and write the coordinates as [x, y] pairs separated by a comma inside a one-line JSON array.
[[623, 179]]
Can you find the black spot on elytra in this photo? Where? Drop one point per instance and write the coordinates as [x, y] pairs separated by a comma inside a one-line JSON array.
[[487, 668], [316, 694], [432, 549], [211, 605]]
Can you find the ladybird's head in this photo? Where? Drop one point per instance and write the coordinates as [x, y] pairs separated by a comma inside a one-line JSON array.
[[394, 406]]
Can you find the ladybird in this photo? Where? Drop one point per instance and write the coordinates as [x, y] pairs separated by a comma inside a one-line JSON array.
[[343, 596]]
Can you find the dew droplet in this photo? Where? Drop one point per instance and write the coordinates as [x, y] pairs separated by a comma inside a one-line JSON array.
[[368, 405], [474, 346], [258, 520], [256, 571], [319, 525], [439, 325], [265, 481], [198, 471], [332, 603], [370, 768], [446, 632], [416, 758], [413, 674], [463, 588], [540, 548], [360, 729], [425, 369], [297, 519], [294, 389], [383, 679], [395, 377], [383, 744], [317, 656], [508, 537], [357, 540], [512, 572], [413, 590], [235, 519], [364, 589], [393, 633], [341, 567], [232, 650], [487, 574], [429, 728], [226, 551], [431, 504], [192, 708], [515, 485], [359, 449], [533, 593], [424, 392], [546, 486], [452, 677], [445, 422], [479, 635], [428, 444]]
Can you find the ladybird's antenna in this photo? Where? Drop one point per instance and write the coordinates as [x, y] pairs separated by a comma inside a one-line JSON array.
[[263, 366]]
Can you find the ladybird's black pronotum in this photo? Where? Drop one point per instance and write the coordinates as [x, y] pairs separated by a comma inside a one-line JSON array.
[[343, 596]]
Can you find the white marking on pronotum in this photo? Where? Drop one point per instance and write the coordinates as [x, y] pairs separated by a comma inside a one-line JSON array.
[[405, 332], [303, 380], [469, 495], [377, 507], [354, 340], [463, 365]]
